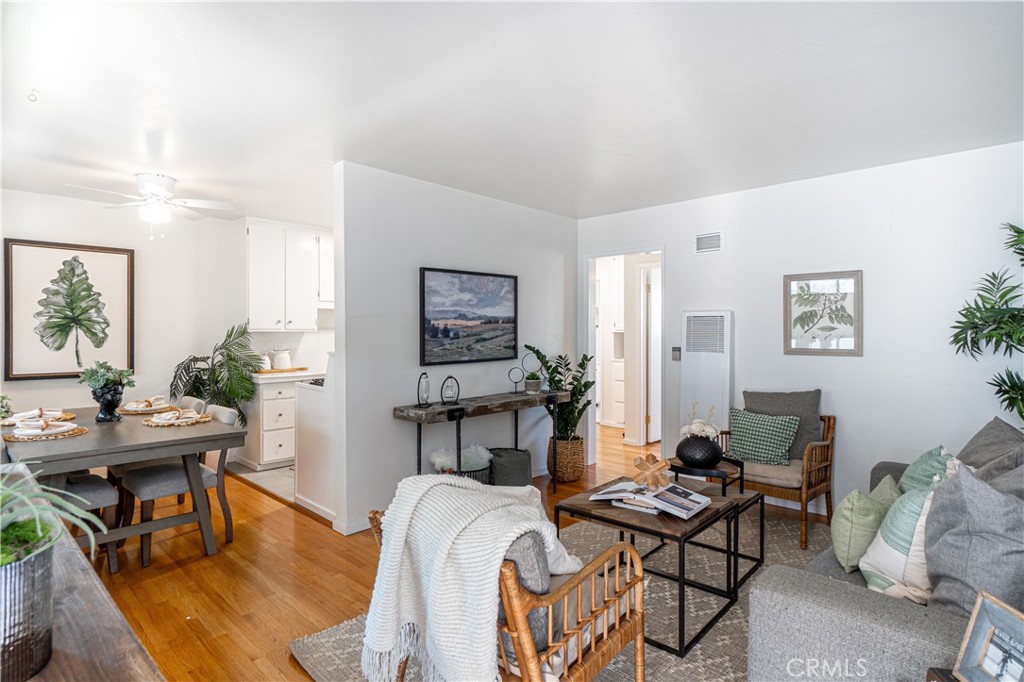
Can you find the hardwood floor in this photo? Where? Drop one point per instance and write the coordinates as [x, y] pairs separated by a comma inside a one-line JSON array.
[[232, 615]]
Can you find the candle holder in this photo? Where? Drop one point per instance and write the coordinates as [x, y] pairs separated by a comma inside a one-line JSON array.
[[512, 374], [423, 391], [450, 391]]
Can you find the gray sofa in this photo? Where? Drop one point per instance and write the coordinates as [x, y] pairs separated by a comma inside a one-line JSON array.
[[822, 623]]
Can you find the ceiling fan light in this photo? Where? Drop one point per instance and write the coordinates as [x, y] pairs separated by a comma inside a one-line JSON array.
[[155, 213]]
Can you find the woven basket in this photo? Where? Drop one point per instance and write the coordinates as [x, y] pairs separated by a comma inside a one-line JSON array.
[[571, 459]]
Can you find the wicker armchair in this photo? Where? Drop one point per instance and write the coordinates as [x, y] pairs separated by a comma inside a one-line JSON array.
[[613, 582], [815, 475]]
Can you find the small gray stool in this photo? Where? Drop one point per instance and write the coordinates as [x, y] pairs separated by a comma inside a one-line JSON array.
[[511, 466]]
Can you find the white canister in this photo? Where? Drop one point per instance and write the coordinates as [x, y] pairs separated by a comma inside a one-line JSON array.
[[266, 362], [283, 359]]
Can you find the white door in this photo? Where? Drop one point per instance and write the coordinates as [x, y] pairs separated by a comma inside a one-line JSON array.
[[325, 252], [654, 356], [300, 280], [265, 244]]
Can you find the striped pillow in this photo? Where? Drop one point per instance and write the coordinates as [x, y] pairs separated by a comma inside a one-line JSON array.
[[761, 438], [923, 469]]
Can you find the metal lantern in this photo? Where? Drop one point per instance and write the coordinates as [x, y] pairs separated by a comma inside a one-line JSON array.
[[450, 391], [423, 391]]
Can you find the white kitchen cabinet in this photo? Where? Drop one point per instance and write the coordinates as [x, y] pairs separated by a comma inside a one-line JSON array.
[[325, 253], [270, 438], [282, 267]]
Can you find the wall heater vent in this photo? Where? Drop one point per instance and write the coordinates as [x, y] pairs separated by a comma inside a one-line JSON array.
[[706, 371], [709, 242]]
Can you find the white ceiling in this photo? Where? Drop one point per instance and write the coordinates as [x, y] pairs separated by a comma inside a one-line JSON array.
[[580, 109]]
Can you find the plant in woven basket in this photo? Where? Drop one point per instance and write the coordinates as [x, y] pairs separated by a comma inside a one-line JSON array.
[[224, 377], [30, 523], [107, 384], [995, 320]]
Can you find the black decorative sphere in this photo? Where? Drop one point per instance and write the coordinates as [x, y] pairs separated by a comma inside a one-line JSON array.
[[699, 452]]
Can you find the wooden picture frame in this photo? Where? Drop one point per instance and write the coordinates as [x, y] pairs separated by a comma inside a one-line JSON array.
[[993, 646], [467, 317], [67, 306], [823, 313]]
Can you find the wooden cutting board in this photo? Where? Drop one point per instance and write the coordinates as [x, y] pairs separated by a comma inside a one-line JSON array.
[[279, 371]]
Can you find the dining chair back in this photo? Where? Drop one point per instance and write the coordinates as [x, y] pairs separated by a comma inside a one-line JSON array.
[[187, 402], [151, 483]]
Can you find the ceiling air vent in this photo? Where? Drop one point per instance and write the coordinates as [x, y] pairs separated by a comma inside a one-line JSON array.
[[708, 242], [705, 333]]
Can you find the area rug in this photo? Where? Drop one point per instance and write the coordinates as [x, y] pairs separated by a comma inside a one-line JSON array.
[[333, 655]]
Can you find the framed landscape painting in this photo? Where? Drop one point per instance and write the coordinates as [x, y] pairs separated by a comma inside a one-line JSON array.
[[66, 307], [823, 313], [467, 316]]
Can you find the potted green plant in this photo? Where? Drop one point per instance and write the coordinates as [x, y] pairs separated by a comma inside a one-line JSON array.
[[224, 377], [30, 524], [107, 386], [562, 376], [533, 382], [995, 320], [5, 406]]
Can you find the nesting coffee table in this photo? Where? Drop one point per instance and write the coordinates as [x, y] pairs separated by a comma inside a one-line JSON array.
[[669, 529]]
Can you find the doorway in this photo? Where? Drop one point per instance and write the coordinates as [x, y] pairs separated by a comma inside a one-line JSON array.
[[626, 291]]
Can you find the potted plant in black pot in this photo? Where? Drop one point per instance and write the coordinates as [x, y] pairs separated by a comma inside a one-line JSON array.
[[562, 376], [30, 524], [107, 386]]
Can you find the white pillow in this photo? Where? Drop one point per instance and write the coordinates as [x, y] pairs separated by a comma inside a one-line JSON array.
[[895, 562]]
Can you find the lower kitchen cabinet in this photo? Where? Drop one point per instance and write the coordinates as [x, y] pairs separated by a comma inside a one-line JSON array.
[[270, 442]]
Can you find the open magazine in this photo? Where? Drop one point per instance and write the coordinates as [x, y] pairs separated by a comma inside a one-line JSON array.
[[673, 498]]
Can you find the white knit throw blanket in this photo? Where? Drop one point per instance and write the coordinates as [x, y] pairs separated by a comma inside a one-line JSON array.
[[436, 593]]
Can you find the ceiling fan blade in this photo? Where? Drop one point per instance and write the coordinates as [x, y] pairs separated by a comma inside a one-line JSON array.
[[209, 204], [104, 191], [128, 205], [187, 212]]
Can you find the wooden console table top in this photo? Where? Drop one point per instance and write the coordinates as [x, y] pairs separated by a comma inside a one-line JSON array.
[[475, 406]]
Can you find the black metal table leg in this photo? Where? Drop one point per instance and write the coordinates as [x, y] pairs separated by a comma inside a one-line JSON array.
[[515, 428], [681, 642], [458, 445], [553, 401], [419, 448]]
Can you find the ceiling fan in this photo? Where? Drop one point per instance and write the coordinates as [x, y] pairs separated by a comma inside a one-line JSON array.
[[156, 202]]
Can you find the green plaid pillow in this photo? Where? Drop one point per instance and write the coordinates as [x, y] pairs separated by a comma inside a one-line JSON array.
[[761, 438]]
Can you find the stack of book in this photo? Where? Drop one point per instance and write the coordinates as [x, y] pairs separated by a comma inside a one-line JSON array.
[[672, 498]]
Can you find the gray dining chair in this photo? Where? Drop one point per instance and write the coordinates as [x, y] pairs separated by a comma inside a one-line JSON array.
[[150, 483], [94, 494]]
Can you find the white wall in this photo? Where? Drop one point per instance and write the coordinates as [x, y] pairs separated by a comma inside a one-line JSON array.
[[390, 226], [923, 232], [189, 285]]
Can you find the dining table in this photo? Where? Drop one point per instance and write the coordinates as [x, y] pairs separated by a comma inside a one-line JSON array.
[[126, 442]]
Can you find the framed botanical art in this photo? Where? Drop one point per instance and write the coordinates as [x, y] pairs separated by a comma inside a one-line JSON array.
[[467, 316], [823, 313], [66, 307]]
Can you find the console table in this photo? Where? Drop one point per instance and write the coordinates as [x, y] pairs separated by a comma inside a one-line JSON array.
[[478, 406]]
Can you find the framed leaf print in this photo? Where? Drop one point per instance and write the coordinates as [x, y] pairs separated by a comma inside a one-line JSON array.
[[823, 313], [66, 307]]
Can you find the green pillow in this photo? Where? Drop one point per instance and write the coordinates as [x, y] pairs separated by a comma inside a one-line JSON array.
[[761, 438], [922, 470], [857, 519]]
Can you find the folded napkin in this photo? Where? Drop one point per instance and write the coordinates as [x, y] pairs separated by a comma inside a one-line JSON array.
[[38, 413], [146, 403], [41, 427], [176, 415]]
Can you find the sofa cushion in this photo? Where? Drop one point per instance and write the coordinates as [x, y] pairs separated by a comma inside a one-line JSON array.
[[825, 564], [923, 470], [761, 438], [997, 438], [857, 519], [788, 476], [802, 404], [974, 540], [895, 563]]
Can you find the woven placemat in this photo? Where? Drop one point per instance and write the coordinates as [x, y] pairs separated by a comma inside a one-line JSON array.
[[79, 431], [201, 419], [65, 417], [147, 410]]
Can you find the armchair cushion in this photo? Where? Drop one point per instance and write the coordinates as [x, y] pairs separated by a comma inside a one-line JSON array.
[[789, 476], [528, 554], [995, 439], [804, 405], [761, 438]]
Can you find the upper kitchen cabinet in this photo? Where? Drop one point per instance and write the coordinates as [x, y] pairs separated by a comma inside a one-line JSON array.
[[325, 251], [283, 276]]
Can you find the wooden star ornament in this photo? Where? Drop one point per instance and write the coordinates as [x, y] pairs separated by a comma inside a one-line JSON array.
[[651, 468]]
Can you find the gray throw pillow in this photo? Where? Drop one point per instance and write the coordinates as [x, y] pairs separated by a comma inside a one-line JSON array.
[[1010, 483], [1001, 465], [997, 438], [801, 404], [974, 540], [527, 552]]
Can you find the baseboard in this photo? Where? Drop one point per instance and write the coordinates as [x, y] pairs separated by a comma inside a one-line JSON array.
[[315, 508], [352, 528]]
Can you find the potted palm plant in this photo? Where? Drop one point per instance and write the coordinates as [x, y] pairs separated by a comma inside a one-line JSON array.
[[30, 524], [224, 377], [107, 386], [562, 376]]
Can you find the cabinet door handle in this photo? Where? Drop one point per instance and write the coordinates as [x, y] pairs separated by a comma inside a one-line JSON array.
[[289, 321], [279, 414], [278, 322]]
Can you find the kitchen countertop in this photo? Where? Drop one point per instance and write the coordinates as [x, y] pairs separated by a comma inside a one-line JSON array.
[[278, 377]]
